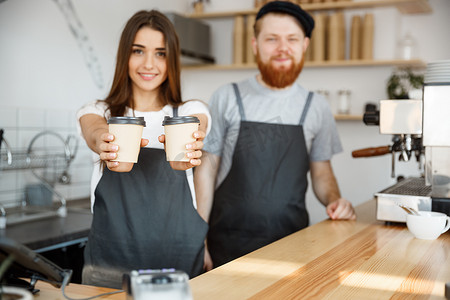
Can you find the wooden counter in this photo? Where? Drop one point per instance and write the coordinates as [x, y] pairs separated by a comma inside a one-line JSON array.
[[363, 259]]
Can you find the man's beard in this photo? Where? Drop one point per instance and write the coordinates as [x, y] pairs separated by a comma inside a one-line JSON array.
[[280, 77]]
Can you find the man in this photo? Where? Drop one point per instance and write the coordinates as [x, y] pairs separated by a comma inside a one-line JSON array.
[[267, 133]]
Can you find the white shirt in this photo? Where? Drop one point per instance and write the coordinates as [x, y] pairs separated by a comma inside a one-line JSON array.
[[152, 131]]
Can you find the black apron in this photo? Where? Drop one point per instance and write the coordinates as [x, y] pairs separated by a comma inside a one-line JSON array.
[[143, 219], [262, 199]]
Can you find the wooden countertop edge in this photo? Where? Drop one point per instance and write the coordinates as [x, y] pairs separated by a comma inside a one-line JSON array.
[[281, 257], [322, 265], [48, 292]]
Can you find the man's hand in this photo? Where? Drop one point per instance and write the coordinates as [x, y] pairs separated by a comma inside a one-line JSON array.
[[341, 209], [208, 263]]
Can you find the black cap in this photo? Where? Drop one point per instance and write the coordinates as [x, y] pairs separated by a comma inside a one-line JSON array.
[[285, 7], [179, 120], [127, 120]]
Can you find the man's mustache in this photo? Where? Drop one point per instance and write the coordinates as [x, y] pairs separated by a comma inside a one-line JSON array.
[[286, 56]]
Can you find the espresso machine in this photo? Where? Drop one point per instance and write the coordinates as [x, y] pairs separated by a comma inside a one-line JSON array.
[[420, 129]]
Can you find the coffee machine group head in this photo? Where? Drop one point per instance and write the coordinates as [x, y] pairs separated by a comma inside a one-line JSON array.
[[403, 120]]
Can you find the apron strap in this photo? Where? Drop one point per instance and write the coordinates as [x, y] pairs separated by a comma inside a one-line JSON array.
[[305, 109], [175, 111], [239, 101], [241, 106]]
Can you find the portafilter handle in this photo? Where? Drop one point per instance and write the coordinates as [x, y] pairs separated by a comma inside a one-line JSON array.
[[373, 151]]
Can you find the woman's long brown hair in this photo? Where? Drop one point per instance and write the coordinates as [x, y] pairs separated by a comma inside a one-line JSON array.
[[120, 95]]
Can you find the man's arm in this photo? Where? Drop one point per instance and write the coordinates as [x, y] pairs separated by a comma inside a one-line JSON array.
[[326, 189], [204, 182]]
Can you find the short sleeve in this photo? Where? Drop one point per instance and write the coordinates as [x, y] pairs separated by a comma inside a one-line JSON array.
[[193, 107], [326, 142], [95, 107], [218, 105]]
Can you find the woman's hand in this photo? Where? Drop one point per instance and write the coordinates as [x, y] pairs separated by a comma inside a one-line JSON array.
[[194, 153], [109, 152]]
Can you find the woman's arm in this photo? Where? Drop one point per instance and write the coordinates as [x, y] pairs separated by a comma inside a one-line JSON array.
[[96, 133]]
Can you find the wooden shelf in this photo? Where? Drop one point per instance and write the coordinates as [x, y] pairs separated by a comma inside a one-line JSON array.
[[348, 117], [414, 63], [404, 6]]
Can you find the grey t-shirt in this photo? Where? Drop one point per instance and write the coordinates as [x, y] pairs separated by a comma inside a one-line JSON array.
[[268, 106]]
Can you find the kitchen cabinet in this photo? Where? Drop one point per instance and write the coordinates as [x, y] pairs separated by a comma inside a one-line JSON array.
[[61, 240], [69, 257]]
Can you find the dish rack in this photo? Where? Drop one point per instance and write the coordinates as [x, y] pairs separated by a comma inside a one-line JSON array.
[[49, 165]]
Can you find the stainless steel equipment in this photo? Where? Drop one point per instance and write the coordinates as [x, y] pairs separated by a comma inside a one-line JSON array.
[[411, 192], [403, 120], [195, 39], [49, 163], [422, 128], [436, 140]]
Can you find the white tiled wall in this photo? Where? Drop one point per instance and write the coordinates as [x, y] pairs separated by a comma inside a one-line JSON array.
[[20, 126]]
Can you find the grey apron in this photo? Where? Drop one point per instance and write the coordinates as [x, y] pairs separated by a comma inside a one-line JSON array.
[[262, 199], [143, 219]]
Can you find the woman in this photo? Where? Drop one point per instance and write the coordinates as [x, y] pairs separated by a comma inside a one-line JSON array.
[[144, 214]]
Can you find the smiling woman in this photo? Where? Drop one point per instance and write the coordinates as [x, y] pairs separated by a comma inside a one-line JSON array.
[[146, 40], [144, 213], [147, 66]]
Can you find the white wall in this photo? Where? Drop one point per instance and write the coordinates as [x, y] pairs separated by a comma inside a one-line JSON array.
[[42, 65], [44, 73], [45, 78]]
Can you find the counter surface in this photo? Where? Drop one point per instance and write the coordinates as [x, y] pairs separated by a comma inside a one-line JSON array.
[[53, 231], [363, 259]]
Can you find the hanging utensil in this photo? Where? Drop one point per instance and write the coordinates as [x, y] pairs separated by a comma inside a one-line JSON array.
[[409, 210]]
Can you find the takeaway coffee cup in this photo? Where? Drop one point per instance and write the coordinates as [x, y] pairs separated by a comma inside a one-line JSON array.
[[429, 225], [179, 132], [127, 133]]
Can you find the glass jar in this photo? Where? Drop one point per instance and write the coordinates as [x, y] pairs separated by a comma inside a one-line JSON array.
[[344, 102], [407, 47]]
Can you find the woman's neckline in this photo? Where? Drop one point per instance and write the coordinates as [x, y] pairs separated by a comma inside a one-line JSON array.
[[149, 111]]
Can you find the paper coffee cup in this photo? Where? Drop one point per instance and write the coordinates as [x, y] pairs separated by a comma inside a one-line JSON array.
[[429, 225], [127, 133], [179, 132]]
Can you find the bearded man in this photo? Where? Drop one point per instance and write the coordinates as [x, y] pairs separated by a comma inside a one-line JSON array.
[[267, 133]]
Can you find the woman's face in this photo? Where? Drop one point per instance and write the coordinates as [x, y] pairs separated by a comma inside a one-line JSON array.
[[147, 66]]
